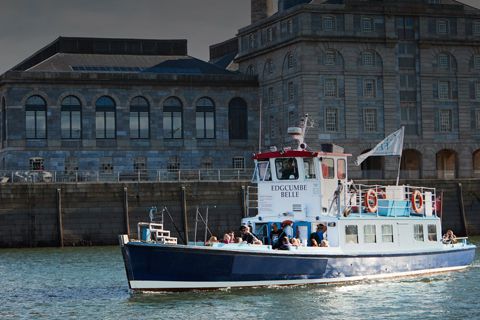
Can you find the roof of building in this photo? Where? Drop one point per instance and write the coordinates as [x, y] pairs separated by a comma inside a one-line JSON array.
[[186, 65]]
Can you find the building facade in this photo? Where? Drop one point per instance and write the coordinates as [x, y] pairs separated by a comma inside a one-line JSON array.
[[122, 105], [362, 69]]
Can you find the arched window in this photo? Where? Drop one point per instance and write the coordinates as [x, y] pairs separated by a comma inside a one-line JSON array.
[[139, 118], [35, 118], [372, 167], [71, 118], [105, 118], [237, 119], [172, 118], [446, 164], [205, 118], [410, 168]]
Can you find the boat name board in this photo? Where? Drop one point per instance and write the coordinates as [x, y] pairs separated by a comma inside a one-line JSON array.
[[289, 190]]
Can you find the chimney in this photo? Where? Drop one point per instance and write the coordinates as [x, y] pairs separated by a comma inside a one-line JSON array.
[[262, 9]]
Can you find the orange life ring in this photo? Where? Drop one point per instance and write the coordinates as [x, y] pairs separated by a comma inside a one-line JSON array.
[[371, 201], [417, 197]]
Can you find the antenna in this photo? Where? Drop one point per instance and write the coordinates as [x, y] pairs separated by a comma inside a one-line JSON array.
[[298, 133]]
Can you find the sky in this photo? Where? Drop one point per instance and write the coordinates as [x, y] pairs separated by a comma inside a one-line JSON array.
[[28, 25]]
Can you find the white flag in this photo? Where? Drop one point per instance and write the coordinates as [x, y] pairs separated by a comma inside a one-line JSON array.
[[390, 146]]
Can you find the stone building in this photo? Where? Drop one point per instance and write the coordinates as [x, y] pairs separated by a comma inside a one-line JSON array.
[[362, 69], [125, 105]]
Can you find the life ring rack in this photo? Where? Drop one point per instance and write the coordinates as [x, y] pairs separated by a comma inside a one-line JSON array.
[[371, 201], [417, 201]]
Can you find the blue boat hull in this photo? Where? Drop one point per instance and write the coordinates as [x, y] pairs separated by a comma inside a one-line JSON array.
[[163, 267]]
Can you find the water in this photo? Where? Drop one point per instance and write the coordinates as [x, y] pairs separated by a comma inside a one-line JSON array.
[[90, 283]]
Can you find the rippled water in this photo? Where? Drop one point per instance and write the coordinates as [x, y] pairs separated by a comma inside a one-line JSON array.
[[90, 283]]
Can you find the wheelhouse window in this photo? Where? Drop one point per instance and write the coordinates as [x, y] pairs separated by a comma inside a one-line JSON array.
[[71, 118], [418, 232], [369, 233], [263, 171], [139, 118], [341, 169], [105, 118], [205, 119], [237, 119], [35, 118], [432, 232], [328, 169], [309, 168], [351, 234], [387, 233], [173, 118], [286, 168]]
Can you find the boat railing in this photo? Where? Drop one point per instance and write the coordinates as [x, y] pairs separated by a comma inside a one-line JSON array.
[[395, 201]]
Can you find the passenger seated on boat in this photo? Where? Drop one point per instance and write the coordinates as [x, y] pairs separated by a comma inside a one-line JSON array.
[[449, 237], [232, 236], [318, 235], [226, 238], [247, 236], [296, 242], [324, 243], [285, 244], [211, 241], [238, 240], [275, 235], [287, 228], [313, 242]]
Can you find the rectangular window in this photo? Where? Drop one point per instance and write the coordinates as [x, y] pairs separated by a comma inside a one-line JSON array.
[[238, 163], [368, 59], [106, 165], [409, 118], [408, 81], [445, 120], [351, 234], [367, 25], [290, 26], [370, 120], [476, 28], [251, 40], [328, 169], [309, 168], [286, 168], [270, 96], [139, 126], [444, 90], [139, 164], [477, 119], [263, 171], [105, 124], [331, 120], [418, 232], [444, 61], [442, 27], [35, 125], [331, 88], [269, 34], [387, 233], [70, 124], [477, 90], [476, 61], [329, 24], [369, 233], [432, 232], [369, 88]]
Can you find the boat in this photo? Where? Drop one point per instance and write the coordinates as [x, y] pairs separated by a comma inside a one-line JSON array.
[[361, 232]]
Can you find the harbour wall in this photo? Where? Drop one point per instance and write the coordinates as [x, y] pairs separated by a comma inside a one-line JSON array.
[[33, 215]]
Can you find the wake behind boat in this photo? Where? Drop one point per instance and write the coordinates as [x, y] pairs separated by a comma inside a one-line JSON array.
[[343, 231]]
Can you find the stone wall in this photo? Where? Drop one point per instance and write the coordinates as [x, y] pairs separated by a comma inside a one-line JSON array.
[[93, 214]]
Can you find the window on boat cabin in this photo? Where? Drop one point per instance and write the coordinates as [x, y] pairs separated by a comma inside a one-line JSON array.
[[418, 232], [286, 168], [341, 169], [351, 234], [432, 232], [387, 233], [328, 170], [263, 170], [369, 233], [309, 168]]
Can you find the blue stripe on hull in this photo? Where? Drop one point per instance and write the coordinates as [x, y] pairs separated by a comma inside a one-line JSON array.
[[177, 263]]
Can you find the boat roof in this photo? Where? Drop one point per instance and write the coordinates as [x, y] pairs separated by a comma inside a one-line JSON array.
[[295, 154]]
